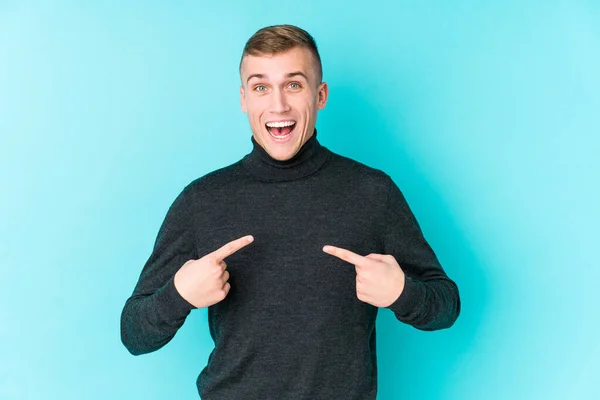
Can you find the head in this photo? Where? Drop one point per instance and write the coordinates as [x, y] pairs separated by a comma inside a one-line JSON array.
[[281, 88]]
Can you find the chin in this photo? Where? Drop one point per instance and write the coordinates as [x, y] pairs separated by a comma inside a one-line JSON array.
[[282, 154], [281, 150]]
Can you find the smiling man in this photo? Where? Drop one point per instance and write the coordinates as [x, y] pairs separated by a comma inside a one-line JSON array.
[[281, 94], [293, 250]]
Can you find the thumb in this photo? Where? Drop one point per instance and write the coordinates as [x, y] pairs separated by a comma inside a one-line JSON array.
[[376, 257]]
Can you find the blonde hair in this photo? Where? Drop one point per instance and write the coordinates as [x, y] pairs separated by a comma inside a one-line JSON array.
[[276, 39]]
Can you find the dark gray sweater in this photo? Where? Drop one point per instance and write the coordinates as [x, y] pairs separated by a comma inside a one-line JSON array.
[[291, 326]]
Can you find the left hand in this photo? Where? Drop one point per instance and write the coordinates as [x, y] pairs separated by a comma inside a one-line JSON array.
[[379, 278]]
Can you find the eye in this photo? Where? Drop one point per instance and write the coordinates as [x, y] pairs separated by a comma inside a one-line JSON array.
[[260, 88], [295, 85]]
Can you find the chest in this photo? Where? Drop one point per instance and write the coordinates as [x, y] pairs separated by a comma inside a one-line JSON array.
[[285, 264]]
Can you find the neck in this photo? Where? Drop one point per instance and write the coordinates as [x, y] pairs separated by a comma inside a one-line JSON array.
[[311, 157]]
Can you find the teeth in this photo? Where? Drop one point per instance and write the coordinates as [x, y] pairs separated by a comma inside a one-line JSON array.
[[280, 124]]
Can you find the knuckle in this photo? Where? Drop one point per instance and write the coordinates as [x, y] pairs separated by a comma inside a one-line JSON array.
[[225, 291]]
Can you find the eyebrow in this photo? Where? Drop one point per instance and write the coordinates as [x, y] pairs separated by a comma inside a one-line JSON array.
[[290, 75]]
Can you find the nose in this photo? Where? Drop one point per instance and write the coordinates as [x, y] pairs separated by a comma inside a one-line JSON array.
[[279, 102]]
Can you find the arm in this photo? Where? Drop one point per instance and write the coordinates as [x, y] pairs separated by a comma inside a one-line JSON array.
[[156, 310], [430, 300]]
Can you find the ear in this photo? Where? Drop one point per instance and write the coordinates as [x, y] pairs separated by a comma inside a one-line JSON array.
[[243, 99], [323, 93]]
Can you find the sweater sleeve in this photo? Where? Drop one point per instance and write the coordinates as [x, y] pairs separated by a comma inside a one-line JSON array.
[[155, 311], [430, 300]]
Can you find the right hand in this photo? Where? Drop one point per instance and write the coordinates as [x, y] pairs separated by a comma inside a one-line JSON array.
[[203, 282]]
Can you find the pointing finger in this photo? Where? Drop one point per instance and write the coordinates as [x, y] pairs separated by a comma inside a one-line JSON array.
[[231, 247], [347, 256]]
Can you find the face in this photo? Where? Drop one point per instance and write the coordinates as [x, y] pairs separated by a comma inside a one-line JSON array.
[[281, 94]]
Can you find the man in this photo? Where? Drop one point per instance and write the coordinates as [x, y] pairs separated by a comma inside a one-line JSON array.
[[293, 249]]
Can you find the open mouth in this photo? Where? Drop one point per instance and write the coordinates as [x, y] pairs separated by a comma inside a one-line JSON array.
[[280, 130]]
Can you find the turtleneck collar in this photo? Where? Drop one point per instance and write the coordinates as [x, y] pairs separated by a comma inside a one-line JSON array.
[[311, 156]]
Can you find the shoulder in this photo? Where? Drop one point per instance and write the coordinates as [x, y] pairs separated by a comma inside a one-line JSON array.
[[359, 172], [218, 178], [206, 189]]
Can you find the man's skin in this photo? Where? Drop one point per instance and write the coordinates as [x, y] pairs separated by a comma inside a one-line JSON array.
[[285, 88]]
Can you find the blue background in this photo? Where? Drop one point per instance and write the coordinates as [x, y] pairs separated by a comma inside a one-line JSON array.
[[485, 113]]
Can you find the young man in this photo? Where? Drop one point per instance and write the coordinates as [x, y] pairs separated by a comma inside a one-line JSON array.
[[293, 249]]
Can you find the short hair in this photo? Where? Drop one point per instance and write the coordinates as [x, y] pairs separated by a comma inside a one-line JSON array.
[[276, 39]]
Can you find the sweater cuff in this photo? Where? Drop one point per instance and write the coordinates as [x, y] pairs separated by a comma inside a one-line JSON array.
[[171, 306], [409, 299]]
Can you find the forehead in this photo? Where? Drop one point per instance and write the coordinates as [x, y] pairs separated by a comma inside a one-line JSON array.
[[279, 65]]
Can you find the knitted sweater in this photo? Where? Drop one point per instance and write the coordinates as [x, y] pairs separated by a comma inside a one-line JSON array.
[[291, 326]]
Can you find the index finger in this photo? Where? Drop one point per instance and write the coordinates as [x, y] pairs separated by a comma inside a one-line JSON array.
[[231, 247], [347, 256]]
